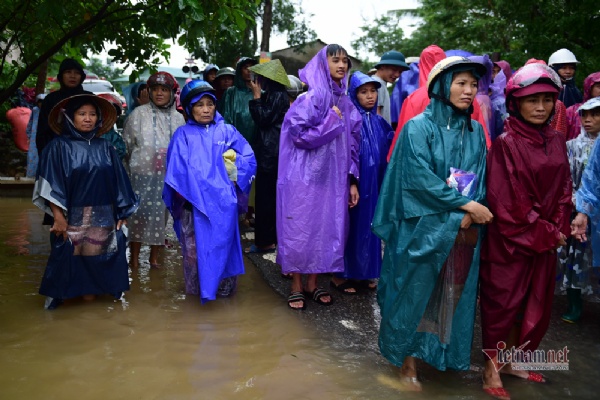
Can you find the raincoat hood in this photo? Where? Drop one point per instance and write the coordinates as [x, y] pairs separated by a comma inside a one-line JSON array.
[[590, 81], [238, 82], [316, 74], [486, 80], [505, 67], [430, 56], [357, 80], [442, 113]]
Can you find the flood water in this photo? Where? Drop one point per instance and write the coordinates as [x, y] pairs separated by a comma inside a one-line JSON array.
[[161, 344]]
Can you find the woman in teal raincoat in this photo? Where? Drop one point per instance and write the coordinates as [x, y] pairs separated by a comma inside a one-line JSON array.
[[428, 213]]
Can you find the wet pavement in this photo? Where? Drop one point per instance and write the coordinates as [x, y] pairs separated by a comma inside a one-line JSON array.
[[352, 323], [161, 344]]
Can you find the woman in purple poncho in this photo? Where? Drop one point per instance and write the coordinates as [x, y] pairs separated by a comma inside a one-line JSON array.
[[318, 175]]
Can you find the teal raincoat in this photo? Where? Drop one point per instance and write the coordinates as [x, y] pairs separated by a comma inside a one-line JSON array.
[[234, 106], [417, 216]]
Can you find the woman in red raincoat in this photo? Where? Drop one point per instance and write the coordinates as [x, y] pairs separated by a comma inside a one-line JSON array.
[[529, 192]]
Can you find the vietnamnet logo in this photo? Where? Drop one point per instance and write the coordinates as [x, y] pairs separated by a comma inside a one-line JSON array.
[[528, 360]]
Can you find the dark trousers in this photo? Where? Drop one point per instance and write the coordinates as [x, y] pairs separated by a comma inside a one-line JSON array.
[[265, 233]]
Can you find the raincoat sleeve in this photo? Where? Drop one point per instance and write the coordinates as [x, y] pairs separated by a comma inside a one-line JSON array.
[[514, 212], [423, 191], [587, 197], [311, 123], [130, 133], [244, 161], [411, 187], [51, 182], [356, 124], [176, 177], [126, 202]]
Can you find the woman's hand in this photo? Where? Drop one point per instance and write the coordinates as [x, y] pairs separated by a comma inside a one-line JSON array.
[[562, 241], [60, 227], [479, 213], [353, 199], [466, 221], [579, 227], [60, 223], [337, 111], [120, 223], [144, 97], [256, 89]]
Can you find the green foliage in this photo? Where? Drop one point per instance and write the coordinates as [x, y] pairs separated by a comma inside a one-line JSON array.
[[226, 50], [103, 70], [517, 30], [39, 29], [382, 35], [289, 18]]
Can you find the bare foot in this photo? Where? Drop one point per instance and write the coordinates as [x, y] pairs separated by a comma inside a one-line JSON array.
[[408, 379]]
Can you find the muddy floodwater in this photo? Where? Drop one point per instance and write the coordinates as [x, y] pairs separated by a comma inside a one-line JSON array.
[[158, 343]]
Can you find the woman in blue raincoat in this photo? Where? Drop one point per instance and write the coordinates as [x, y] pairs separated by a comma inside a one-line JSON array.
[[428, 214], [206, 159], [362, 259], [83, 185]]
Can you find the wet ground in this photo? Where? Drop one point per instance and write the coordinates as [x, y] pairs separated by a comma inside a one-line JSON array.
[[161, 344]]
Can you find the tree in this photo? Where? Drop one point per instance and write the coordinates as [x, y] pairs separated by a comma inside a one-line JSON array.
[[382, 35], [38, 29], [517, 30], [103, 70], [286, 17]]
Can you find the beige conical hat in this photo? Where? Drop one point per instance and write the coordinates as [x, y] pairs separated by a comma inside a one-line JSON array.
[[272, 70], [107, 112]]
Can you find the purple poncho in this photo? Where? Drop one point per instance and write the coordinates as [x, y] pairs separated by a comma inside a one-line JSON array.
[[318, 152]]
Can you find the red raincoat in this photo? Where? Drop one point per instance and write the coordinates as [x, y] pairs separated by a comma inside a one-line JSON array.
[[529, 192]]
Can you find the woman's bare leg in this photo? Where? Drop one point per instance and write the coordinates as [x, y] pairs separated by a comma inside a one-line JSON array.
[[134, 259]]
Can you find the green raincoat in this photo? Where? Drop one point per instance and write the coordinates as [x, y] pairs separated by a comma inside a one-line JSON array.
[[234, 104], [417, 216]]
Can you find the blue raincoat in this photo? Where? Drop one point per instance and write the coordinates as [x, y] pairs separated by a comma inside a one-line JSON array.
[[196, 174], [318, 152], [88, 182], [417, 216], [406, 84], [363, 248], [588, 199]]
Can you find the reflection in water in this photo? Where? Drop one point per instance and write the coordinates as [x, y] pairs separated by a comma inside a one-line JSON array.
[[158, 343]]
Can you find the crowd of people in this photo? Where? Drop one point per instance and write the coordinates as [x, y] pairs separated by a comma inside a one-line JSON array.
[[479, 182]]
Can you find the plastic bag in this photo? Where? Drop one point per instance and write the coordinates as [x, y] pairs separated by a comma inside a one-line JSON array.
[[463, 181]]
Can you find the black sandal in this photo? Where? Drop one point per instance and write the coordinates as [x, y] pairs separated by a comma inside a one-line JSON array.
[[295, 297], [318, 294]]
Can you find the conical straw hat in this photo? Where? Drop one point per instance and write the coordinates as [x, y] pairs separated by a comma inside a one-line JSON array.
[[272, 70], [107, 111]]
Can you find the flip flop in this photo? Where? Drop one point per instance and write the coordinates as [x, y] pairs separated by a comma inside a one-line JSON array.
[[318, 294], [295, 297], [343, 287], [498, 393], [255, 250]]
